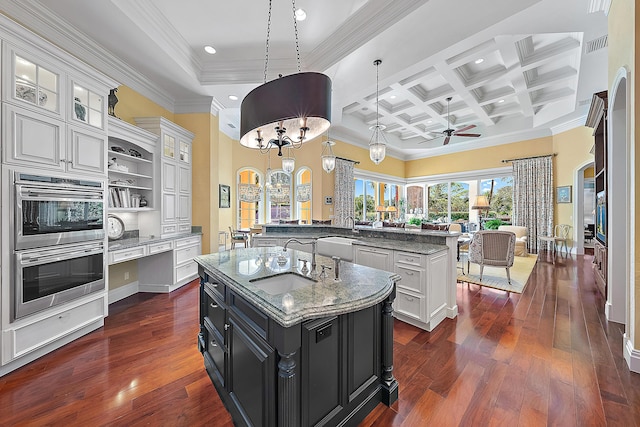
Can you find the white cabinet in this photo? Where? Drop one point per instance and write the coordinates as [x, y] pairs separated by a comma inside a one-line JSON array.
[[175, 173], [132, 176], [185, 269], [379, 258]]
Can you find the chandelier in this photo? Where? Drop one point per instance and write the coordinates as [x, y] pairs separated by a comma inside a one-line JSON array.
[[328, 158], [378, 142], [298, 102]]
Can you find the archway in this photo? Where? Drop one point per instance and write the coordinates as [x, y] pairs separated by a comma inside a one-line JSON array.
[[578, 207]]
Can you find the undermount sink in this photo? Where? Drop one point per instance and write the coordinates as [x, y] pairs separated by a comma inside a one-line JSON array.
[[282, 283], [336, 246]]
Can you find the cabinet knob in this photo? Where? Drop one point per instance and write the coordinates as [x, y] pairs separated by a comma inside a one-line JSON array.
[[213, 343], [212, 305]]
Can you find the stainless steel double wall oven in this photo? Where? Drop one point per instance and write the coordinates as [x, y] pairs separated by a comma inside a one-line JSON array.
[[58, 244]]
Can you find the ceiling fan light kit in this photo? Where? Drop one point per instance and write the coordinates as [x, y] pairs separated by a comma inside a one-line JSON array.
[[449, 132], [299, 102]]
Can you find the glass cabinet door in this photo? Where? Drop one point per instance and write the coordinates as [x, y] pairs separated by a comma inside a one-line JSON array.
[[184, 152], [169, 146], [88, 106], [36, 85]]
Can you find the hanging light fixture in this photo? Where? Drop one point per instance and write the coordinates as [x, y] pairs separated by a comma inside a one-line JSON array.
[[378, 142], [289, 162], [299, 102], [328, 159]]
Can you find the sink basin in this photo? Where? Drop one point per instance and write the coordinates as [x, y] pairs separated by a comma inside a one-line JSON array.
[[282, 283], [336, 246]]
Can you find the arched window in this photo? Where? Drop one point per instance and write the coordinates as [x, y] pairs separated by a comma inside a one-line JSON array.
[[249, 200], [303, 195], [278, 194]]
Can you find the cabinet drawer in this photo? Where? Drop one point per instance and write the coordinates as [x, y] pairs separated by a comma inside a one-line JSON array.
[[184, 228], [169, 229], [217, 288], [189, 241], [408, 304], [187, 254], [262, 243], [187, 271], [127, 254], [155, 248], [412, 259], [38, 334], [215, 311], [412, 278]]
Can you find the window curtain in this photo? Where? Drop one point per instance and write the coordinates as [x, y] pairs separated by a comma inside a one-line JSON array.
[[344, 193], [303, 193], [249, 193], [533, 198]]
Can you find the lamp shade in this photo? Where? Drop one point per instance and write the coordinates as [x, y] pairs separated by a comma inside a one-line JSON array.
[[301, 100], [481, 203]]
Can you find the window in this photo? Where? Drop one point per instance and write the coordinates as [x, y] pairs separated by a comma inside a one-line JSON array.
[[499, 191], [372, 197], [279, 196], [303, 195], [365, 200], [249, 198], [415, 199], [448, 201]]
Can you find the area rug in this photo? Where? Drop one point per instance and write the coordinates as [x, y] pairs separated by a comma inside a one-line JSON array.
[[496, 277]]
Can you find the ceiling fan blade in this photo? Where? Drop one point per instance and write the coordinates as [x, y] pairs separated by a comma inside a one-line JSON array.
[[475, 135], [464, 128], [446, 140]]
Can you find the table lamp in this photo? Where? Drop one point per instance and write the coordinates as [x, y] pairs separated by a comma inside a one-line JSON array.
[[480, 204]]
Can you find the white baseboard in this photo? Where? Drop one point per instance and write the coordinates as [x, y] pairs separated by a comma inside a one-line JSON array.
[[631, 355], [156, 289], [123, 291], [452, 312]]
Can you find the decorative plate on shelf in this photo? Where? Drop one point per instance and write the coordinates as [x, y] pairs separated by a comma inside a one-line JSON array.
[[28, 93]]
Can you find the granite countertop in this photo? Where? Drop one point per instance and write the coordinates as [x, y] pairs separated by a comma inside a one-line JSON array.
[[359, 286], [421, 248], [132, 242]]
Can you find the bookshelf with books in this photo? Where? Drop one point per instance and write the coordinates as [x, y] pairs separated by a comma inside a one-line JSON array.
[[131, 168]]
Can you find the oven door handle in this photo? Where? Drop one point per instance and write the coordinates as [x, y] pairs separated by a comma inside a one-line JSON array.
[[60, 195], [28, 260]]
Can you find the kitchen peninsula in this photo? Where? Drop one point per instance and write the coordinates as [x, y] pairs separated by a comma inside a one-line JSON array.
[[286, 346], [424, 259]]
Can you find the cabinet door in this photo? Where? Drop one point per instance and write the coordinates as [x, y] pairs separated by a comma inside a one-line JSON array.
[[168, 146], [169, 176], [251, 374], [86, 151], [32, 139], [374, 257], [168, 207], [437, 284]]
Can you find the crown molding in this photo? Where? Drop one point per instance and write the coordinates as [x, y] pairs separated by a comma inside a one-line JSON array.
[[200, 104], [46, 24], [571, 124]]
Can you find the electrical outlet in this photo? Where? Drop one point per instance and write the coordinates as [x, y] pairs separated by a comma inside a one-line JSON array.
[[126, 275]]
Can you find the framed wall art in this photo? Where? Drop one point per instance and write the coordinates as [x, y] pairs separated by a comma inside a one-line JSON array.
[[225, 196], [563, 194]]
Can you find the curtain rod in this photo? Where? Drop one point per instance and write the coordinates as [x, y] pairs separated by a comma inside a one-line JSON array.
[[532, 157], [348, 160]]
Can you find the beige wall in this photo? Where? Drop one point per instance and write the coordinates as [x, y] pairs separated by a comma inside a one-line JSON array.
[[117, 274], [624, 37]]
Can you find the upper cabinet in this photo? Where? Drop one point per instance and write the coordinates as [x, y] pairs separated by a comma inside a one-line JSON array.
[[53, 111], [175, 174]]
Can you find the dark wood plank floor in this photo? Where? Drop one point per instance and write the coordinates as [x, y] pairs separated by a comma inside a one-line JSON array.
[[545, 357]]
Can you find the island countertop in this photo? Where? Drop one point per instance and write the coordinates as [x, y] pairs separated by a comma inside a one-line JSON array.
[[359, 286]]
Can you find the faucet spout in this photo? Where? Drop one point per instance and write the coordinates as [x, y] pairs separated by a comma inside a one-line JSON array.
[[353, 223], [311, 242]]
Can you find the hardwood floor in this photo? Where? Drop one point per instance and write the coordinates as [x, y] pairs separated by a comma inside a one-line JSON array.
[[544, 357]]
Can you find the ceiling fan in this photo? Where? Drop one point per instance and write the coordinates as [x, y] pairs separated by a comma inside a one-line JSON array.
[[448, 132]]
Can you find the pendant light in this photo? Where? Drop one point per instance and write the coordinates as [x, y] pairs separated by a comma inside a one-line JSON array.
[[328, 159], [299, 102], [378, 142]]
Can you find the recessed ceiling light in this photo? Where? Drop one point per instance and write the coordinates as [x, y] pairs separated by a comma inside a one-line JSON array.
[[392, 97], [233, 97], [479, 60], [301, 15], [501, 101], [429, 121], [210, 50]]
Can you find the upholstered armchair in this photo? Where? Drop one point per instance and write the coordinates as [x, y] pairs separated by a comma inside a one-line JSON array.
[[521, 238], [494, 248]]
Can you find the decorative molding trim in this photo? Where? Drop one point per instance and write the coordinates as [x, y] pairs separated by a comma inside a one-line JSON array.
[[201, 104], [631, 355], [35, 16], [572, 124], [122, 292]]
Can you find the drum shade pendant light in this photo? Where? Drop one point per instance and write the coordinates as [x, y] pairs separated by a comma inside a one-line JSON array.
[[300, 103], [378, 142]]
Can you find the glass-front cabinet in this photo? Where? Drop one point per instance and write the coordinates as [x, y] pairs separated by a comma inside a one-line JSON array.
[[35, 85], [88, 106]]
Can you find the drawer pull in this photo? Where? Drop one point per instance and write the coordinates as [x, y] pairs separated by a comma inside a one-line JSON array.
[[408, 273], [212, 305], [409, 259], [215, 285], [408, 298], [226, 326], [213, 344]]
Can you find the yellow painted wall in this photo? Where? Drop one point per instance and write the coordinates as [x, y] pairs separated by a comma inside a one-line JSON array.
[[624, 37], [204, 178], [572, 148], [589, 172], [483, 158], [227, 176], [131, 104]]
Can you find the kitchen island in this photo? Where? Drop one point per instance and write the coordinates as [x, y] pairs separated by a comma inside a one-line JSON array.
[[285, 346]]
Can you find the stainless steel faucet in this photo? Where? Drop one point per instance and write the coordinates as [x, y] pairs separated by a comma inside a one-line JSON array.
[[313, 251], [353, 223]]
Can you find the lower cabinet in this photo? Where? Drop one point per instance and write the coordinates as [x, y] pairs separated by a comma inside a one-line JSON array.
[[381, 259], [600, 267], [320, 372]]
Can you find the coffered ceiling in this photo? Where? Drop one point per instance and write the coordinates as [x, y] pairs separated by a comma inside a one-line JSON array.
[[514, 69]]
